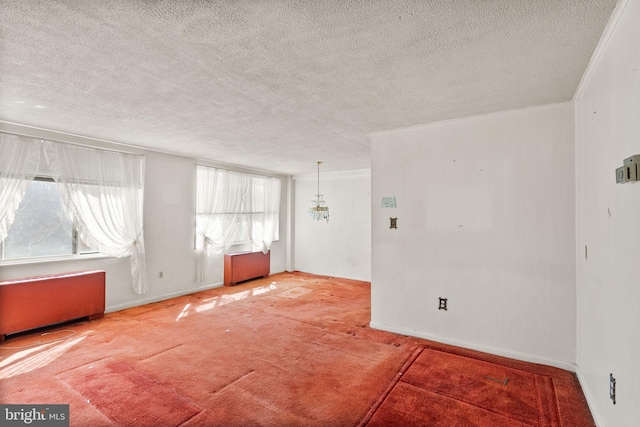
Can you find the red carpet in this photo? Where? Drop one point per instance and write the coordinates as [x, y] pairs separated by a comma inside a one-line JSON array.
[[440, 388], [290, 350], [129, 396]]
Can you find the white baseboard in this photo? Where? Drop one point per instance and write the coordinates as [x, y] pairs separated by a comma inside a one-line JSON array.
[[590, 400], [124, 306], [567, 366]]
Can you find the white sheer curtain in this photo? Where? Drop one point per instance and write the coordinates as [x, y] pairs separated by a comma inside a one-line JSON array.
[[19, 162], [265, 212], [234, 207], [219, 201], [104, 191]]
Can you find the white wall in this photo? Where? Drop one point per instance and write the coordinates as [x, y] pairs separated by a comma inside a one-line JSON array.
[[608, 223], [169, 227], [485, 209], [342, 246]]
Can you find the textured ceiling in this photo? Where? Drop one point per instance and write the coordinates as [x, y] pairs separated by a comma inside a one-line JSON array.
[[278, 85]]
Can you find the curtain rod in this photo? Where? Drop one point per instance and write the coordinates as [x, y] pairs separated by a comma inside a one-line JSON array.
[[91, 142], [36, 132]]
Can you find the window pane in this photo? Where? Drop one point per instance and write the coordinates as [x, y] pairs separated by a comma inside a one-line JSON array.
[[41, 227], [258, 195], [83, 248], [242, 229]]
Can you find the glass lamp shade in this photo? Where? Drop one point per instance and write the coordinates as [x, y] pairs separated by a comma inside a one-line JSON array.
[[318, 209]]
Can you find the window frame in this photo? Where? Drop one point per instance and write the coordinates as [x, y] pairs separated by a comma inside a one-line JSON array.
[[244, 212], [75, 244]]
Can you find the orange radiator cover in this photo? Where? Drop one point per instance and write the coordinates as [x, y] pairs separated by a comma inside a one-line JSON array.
[[34, 302], [241, 266]]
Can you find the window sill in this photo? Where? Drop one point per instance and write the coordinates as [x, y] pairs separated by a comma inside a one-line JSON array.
[[45, 260], [249, 242]]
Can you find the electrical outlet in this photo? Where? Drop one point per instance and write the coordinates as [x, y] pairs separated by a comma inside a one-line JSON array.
[[442, 305], [612, 388]]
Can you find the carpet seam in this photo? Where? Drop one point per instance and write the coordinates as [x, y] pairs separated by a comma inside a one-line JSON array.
[[160, 352], [310, 322], [530, 367], [551, 407], [141, 373], [371, 359], [447, 396], [83, 365], [542, 407], [556, 403], [192, 417], [220, 390], [270, 363], [396, 379], [337, 335]]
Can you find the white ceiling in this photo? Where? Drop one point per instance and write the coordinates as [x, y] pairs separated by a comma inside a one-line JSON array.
[[278, 85]]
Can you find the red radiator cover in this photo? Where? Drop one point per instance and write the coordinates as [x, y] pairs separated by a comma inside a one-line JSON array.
[[40, 301], [241, 266]]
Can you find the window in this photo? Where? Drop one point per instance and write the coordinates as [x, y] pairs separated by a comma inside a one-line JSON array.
[[103, 190], [234, 207], [252, 210], [42, 227]]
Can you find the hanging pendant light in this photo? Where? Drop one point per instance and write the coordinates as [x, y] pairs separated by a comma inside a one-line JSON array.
[[318, 209]]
